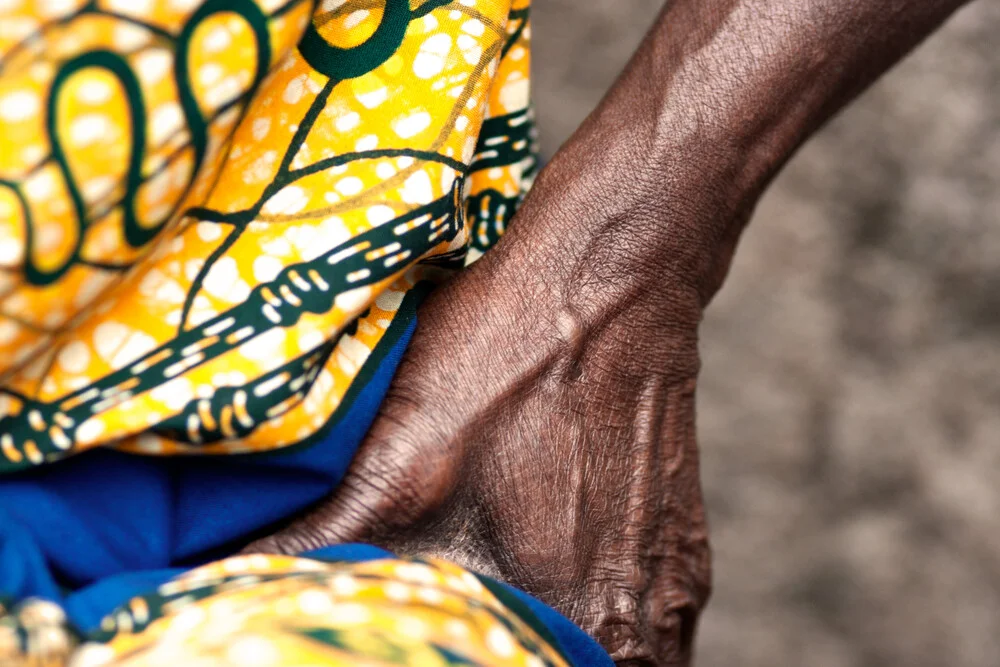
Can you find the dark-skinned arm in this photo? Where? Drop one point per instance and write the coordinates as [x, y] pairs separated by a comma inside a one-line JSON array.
[[717, 98], [541, 426]]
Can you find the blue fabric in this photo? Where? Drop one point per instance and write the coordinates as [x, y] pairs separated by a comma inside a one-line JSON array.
[[22, 564], [349, 553], [87, 606], [576, 644], [95, 515], [104, 513]]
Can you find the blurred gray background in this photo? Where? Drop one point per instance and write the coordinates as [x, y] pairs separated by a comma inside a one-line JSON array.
[[848, 407]]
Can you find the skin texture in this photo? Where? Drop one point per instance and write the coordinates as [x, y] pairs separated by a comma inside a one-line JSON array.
[[541, 426]]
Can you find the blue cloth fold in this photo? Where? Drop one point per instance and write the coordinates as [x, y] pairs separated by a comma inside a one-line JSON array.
[[104, 513]]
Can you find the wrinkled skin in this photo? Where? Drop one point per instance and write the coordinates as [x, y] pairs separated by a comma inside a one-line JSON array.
[[541, 426], [546, 439]]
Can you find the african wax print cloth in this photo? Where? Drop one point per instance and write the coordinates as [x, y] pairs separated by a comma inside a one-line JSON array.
[[217, 218], [338, 606]]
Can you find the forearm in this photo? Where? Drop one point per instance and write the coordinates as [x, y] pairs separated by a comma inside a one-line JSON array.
[[754, 78], [714, 102]]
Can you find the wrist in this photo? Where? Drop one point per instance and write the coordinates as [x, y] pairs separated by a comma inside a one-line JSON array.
[[592, 256], [660, 180], [603, 217]]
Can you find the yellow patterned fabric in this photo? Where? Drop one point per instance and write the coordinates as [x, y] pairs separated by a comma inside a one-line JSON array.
[[213, 216], [277, 610], [210, 211]]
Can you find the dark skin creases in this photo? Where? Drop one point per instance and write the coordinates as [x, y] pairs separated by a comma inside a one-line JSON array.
[[541, 428], [548, 447]]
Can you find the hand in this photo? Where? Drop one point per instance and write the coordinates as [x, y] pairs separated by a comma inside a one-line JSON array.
[[541, 430], [541, 427]]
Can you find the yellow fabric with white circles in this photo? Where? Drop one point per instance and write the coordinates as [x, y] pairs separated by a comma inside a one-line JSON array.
[[205, 229], [278, 610]]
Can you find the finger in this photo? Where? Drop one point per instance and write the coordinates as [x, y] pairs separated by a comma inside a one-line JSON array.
[[392, 485]]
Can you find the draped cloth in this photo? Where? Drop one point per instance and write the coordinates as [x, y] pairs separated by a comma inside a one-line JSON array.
[[217, 218]]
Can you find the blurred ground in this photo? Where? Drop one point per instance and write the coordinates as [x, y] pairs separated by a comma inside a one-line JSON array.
[[848, 403]]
